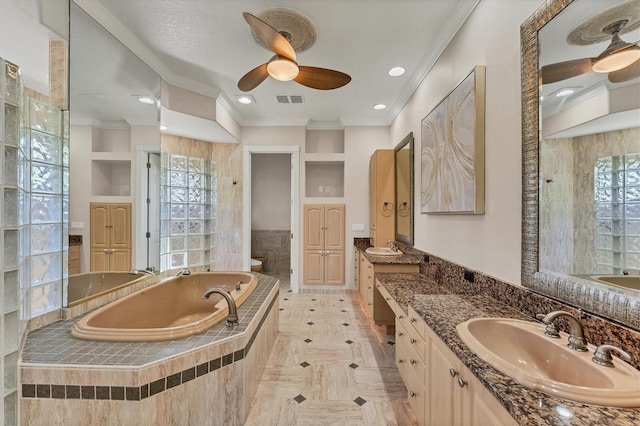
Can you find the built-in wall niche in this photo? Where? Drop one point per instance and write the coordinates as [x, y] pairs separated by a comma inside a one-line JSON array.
[[324, 178], [324, 142], [111, 178], [110, 140]]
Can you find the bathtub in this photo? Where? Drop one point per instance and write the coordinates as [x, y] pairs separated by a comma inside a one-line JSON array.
[[89, 285], [168, 310]]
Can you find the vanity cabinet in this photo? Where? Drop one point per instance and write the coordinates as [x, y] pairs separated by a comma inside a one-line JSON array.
[[324, 236], [440, 389], [382, 220], [412, 360], [377, 306], [110, 236]]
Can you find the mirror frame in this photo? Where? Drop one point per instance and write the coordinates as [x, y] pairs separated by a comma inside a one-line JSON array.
[[577, 292], [406, 239]]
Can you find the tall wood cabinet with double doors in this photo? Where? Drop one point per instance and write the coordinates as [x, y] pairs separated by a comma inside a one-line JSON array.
[[324, 236], [382, 219], [110, 236]]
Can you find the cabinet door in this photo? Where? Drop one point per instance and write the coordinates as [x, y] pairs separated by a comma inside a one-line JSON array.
[[100, 260], [334, 267], [356, 264], [120, 260], [100, 222], [334, 227], [120, 226], [313, 266], [441, 396], [313, 227]]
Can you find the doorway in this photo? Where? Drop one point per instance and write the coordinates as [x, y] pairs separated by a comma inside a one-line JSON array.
[[270, 212], [147, 216]]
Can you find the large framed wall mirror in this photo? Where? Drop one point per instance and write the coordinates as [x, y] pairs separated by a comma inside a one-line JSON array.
[[115, 131], [581, 156], [404, 189]]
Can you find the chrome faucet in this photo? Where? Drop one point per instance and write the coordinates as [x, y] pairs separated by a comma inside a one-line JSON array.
[[184, 272], [232, 318], [140, 271], [577, 342], [392, 245]]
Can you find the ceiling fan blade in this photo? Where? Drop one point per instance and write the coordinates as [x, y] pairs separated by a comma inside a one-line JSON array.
[[253, 78], [563, 70], [272, 39], [321, 78], [625, 74]]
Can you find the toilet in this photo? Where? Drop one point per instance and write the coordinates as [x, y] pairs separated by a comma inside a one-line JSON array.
[[257, 263]]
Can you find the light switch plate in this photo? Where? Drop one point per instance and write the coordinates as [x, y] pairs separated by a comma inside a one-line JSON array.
[[357, 227]]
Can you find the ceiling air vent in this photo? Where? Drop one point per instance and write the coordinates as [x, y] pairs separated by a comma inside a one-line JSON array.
[[290, 99]]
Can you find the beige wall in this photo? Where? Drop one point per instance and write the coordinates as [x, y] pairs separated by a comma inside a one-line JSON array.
[[271, 191], [359, 144], [490, 242]]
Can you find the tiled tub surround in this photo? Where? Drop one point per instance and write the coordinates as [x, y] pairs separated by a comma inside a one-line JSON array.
[[450, 300], [209, 378]]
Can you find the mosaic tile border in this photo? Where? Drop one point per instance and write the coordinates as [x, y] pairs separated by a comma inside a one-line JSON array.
[[135, 393]]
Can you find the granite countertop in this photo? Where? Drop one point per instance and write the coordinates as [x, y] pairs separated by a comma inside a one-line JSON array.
[[442, 311], [404, 259]]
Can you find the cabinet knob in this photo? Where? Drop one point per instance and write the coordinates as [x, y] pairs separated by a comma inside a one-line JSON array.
[[461, 383], [369, 287], [400, 333], [412, 393], [412, 320], [413, 362], [412, 340], [453, 372], [400, 361], [369, 304], [387, 298]]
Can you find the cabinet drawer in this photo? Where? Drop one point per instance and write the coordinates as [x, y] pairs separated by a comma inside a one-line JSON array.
[[74, 252], [416, 342], [402, 352], [417, 322]]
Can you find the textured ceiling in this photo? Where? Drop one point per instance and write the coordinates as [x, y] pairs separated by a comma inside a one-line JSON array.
[[204, 44]]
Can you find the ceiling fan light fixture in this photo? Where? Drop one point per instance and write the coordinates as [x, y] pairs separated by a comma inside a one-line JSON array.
[[282, 69], [617, 60]]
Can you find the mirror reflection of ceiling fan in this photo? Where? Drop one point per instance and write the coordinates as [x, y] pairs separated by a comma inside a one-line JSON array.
[[283, 66], [620, 60]]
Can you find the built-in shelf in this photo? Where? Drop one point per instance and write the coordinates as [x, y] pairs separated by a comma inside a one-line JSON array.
[[111, 140], [110, 178], [324, 142], [324, 178]]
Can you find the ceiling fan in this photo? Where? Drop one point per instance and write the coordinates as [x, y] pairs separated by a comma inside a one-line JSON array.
[[621, 60], [283, 65]]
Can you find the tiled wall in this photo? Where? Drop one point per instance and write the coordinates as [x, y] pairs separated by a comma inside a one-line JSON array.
[[275, 245], [228, 159], [567, 208]]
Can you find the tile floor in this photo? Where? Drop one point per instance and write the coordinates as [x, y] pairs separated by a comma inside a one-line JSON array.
[[329, 365]]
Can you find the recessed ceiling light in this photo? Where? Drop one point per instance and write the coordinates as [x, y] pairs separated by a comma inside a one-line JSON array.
[[564, 92], [379, 106], [396, 71], [163, 127], [146, 100], [245, 99]]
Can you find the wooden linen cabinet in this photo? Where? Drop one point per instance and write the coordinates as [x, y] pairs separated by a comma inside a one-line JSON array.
[[324, 236], [110, 236]]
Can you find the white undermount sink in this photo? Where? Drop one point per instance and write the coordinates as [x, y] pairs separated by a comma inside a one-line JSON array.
[[521, 350], [382, 251]]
